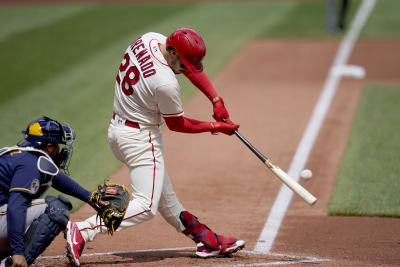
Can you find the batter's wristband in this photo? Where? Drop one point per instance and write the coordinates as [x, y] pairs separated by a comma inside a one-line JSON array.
[[213, 131], [216, 99]]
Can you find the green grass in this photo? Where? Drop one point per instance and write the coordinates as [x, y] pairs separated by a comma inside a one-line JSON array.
[[15, 19], [41, 53], [307, 20], [368, 180], [384, 21]]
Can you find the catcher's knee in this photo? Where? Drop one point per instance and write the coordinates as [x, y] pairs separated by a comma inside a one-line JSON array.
[[46, 227]]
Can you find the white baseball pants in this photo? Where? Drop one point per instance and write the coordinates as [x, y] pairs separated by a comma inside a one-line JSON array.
[[142, 151]]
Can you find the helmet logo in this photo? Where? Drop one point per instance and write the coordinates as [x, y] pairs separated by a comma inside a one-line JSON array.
[[35, 129]]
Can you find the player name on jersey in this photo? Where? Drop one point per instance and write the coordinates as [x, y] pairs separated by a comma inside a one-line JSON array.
[[143, 58]]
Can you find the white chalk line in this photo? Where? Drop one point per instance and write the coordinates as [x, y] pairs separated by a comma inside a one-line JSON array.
[[124, 252], [281, 204], [292, 259]]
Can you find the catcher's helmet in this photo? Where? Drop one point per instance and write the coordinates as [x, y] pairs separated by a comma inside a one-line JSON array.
[[190, 47], [44, 131]]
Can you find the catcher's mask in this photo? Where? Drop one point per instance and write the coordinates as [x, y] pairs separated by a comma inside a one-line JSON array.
[[190, 47], [43, 131]]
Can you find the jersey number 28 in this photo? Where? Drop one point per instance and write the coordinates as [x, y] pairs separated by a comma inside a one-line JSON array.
[[130, 76]]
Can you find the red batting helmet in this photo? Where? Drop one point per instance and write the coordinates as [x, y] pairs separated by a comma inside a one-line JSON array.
[[190, 47]]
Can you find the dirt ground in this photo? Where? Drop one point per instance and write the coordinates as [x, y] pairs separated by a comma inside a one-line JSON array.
[[270, 88]]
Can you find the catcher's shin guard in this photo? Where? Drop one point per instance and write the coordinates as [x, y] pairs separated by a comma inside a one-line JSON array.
[[199, 232], [44, 229]]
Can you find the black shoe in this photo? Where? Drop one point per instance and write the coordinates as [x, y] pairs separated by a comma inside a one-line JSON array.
[[9, 261]]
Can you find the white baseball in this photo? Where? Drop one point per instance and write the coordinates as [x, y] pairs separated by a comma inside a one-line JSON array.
[[306, 174]]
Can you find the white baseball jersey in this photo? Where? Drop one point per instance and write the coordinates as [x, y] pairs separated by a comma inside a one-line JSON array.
[[146, 88]]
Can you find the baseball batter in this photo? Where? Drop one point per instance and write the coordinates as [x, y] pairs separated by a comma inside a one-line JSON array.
[[147, 93], [28, 223]]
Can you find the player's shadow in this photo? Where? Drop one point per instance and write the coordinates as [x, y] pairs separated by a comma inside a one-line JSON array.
[[164, 258], [141, 257]]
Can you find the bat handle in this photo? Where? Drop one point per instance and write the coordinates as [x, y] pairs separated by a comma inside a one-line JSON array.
[[249, 145]]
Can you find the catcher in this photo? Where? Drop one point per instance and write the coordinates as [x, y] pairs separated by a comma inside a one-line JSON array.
[[28, 223]]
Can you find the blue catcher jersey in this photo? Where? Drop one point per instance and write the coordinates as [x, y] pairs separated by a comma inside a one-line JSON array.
[[19, 171]]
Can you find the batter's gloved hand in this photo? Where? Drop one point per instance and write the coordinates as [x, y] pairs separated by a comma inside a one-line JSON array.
[[225, 128], [219, 110]]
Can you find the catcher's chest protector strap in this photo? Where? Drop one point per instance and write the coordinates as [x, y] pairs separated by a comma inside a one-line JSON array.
[[45, 164], [44, 229], [5, 150], [198, 231]]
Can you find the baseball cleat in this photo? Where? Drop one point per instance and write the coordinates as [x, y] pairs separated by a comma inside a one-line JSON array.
[[75, 243], [228, 245]]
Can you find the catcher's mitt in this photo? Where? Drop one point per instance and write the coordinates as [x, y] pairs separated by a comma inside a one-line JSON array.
[[116, 198]]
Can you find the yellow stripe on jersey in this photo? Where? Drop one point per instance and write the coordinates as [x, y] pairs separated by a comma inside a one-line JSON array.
[[37, 203], [20, 189], [15, 152], [29, 205]]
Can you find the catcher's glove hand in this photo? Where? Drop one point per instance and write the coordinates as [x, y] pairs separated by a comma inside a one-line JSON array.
[[110, 201]]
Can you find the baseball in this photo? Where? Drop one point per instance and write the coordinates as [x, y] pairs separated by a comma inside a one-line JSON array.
[[306, 174]]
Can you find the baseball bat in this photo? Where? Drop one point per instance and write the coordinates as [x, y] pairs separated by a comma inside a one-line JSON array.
[[283, 176]]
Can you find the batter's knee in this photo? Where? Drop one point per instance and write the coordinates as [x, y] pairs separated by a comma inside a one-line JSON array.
[[151, 212], [150, 206]]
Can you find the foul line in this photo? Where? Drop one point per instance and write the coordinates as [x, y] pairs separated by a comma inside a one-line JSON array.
[[281, 204]]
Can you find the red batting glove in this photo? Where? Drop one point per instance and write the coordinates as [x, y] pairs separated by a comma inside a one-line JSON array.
[[219, 110], [225, 128]]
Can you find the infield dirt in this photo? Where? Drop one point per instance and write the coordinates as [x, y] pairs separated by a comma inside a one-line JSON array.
[[270, 89]]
